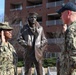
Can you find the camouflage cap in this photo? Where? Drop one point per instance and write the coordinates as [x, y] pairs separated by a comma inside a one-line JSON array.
[[5, 25]]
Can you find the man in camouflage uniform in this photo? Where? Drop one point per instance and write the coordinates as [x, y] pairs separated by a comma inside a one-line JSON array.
[[8, 56], [64, 56], [68, 16], [32, 38]]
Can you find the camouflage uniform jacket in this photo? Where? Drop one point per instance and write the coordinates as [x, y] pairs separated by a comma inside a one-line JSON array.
[[8, 60], [70, 46], [70, 37]]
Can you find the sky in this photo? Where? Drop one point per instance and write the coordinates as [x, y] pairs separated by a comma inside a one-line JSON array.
[[2, 6]]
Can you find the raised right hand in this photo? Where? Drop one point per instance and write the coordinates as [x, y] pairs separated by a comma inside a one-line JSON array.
[[2, 36]]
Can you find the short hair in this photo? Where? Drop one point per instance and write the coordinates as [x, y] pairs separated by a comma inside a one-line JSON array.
[[33, 13]]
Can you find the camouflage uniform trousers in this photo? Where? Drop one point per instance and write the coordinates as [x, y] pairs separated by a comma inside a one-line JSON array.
[[68, 66], [72, 65], [64, 65], [10, 70]]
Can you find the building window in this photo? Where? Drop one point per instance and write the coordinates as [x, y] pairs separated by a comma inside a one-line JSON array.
[[16, 6], [54, 0], [53, 54], [33, 3], [54, 3], [47, 55], [53, 19], [74, 1], [39, 19]]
